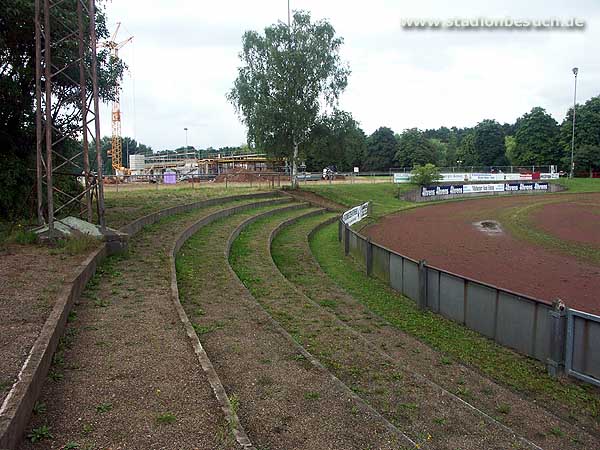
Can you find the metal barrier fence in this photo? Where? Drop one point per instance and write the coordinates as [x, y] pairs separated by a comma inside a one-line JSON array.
[[560, 337], [581, 354]]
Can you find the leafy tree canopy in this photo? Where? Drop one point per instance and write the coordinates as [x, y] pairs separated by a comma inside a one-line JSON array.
[[488, 142], [17, 93], [381, 150], [338, 140], [287, 73], [414, 148], [424, 175], [536, 139]]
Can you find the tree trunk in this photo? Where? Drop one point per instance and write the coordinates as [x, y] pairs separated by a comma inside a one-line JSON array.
[[295, 167]]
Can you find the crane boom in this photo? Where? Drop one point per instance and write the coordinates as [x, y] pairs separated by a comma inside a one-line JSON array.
[[116, 152]]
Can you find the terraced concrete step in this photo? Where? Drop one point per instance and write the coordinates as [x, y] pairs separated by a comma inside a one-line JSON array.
[[282, 401], [125, 375], [427, 414]]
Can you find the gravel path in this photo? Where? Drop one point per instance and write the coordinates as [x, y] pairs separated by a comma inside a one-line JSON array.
[[527, 418], [30, 278], [283, 401], [125, 375], [429, 415]]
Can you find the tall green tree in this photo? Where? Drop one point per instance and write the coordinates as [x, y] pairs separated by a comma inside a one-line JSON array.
[[586, 158], [17, 94], [536, 139], [451, 151], [488, 141], [467, 154], [287, 73], [440, 150], [587, 129], [414, 148], [336, 139], [510, 143], [381, 150]]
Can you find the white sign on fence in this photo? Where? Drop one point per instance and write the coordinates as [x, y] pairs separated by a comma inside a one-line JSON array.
[[404, 177], [430, 191], [356, 214]]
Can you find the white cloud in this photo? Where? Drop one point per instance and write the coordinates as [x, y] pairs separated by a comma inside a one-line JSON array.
[[184, 60]]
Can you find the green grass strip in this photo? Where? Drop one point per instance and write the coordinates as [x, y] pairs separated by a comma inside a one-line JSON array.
[[384, 196], [128, 204], [522, 374], [579, 185], [519, 222]]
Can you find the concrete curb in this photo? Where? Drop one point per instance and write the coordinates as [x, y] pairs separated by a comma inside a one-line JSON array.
[[314, 362], [16, 408]]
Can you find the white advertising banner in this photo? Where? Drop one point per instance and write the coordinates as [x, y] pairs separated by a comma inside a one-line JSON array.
[[431, 191], [404, 177], [356, 214], [474, 188]]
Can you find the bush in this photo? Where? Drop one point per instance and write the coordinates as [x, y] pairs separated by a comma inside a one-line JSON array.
[[424, 175], [24, 237]]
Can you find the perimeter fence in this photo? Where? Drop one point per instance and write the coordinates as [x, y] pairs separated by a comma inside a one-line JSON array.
[[564, 339]]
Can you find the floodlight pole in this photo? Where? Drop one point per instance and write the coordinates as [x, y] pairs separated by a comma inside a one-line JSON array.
[[571, 174]]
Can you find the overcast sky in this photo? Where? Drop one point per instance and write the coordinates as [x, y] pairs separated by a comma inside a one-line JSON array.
[[184, 59]]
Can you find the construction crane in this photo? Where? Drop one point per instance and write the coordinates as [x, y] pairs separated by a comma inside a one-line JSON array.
[[116, 151]]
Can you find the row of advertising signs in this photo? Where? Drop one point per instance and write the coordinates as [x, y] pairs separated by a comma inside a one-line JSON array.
[[468, 176], [356, 214], [429, 191]]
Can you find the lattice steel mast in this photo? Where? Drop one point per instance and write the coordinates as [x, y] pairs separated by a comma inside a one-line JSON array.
[[75, 111]]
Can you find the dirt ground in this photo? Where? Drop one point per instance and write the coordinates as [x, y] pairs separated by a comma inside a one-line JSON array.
[[445, 236], [30, 279], [126, 376], [577, 221]]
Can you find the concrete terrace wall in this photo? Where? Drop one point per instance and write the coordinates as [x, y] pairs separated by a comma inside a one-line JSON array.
[[18, 404]]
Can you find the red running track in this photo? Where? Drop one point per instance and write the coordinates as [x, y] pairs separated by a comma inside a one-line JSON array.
[[444, 235]]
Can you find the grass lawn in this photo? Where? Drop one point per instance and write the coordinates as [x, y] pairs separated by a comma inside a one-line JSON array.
[[127, 205], [577, 185], [384, 196]]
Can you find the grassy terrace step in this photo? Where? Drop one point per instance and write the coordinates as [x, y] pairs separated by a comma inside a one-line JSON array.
[[282, 401], [125, 374], [291, 253], [422, 410]]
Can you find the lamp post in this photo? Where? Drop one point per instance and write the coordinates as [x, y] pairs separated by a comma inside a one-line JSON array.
[[571, 174], [186, 141]]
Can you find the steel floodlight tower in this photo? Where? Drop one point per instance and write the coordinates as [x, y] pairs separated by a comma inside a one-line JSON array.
[[116, 152], [66, 91]]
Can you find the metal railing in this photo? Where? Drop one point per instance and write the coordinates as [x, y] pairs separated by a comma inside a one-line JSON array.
[[582, 357]]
